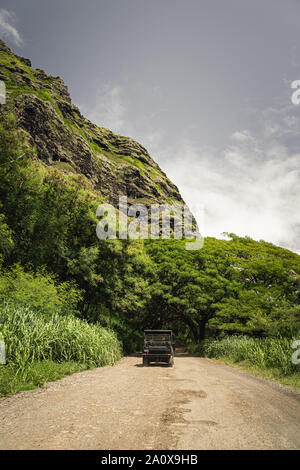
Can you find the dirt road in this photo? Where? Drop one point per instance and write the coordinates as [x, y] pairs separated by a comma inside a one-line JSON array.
[[198, 404]]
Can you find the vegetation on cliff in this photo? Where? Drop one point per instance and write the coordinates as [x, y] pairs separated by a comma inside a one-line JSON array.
[[111, 164]]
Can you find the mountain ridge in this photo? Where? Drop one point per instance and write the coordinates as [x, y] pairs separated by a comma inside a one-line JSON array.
[[112, 164]]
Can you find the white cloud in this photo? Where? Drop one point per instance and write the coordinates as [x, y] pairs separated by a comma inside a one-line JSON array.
[[7, 28], [111, 108], [107, 110], [252, 188], [242, 136]]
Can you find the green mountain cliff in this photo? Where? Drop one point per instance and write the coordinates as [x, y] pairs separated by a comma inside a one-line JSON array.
[[112, 164]]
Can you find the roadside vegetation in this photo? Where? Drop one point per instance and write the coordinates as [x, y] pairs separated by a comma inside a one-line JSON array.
[[38, 374], [42, 346], [63, 291], [30, 337], [44, 335], [268, 357]]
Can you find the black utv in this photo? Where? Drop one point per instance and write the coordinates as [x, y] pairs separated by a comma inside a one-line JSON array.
[[159, 346]]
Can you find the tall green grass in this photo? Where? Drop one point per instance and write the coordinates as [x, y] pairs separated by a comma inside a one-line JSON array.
[[265, 353], [37, 374], [29, 337]]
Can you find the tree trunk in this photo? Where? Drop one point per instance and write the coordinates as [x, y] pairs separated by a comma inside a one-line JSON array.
[[202, 329]]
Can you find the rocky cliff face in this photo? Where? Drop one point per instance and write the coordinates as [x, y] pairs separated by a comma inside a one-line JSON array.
[[113, 164]]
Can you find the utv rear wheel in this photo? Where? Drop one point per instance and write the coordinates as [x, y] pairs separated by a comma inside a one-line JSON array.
[[146, 361]]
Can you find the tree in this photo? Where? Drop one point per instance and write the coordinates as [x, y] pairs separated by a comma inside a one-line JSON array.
[[190, 285]]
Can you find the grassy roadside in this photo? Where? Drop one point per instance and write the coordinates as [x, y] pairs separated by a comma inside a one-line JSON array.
[[37, 375], [270, 358], [44, 348], [273, 374]]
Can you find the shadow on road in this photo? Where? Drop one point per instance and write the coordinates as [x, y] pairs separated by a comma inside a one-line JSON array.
[[153, 364]]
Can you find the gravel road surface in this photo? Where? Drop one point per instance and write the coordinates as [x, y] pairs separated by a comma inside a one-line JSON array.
[[197, 404]]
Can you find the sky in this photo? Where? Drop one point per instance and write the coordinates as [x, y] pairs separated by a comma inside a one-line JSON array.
[[204, 85]]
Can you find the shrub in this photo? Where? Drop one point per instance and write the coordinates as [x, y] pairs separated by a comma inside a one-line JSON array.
[[38, 291], [30, 337], [265, 352]]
